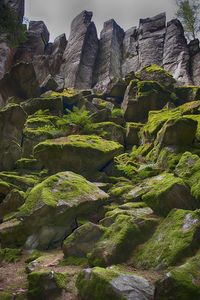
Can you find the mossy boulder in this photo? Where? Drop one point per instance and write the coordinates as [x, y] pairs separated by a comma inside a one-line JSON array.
[[11, 202], [109, 131], [82, 240], [156, 73], [187, 94], [52, 208], [99, 283], [120, 238], [12, 234], [142, 97], [169, 193], [83, 154], [177, 237], [188, 169], [179, 131], [132, 134], [12, 119], [46, 284], [21, 182], [181, 282], [53, 104]]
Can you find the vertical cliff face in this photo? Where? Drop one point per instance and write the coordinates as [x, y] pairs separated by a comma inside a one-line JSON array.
[[110, 54], [176, 58], [85, 62], [81, 51]]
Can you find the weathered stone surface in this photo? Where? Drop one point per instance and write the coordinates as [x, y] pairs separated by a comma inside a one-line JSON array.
[[12, 119], [176, 53], [56, 56], [110, 55], [5, 58], [132, 134], [18, 6], [130, 51], [181, 282], [151, 40], [141, 97], [83, 154], [181, 229], [53, 207], [81, 51], [12, 202], [20, 82], [113, 284], [195, 61]]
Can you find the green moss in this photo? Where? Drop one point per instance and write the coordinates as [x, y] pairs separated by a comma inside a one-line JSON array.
[[168, 158], [97, 286], [22, 182], [6, 296], [117, 113], [33, 256], [74, 261], [10, 255], [174, 239], [67, 186], [39, 283]]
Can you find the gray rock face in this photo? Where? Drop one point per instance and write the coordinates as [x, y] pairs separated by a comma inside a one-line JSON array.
[[18, 6], [110, 54], [57, 49], [5, 57], [176, 53], [195, 61], [12, 120], [20, 82], [130, 51], [151, 40], [81, 51]]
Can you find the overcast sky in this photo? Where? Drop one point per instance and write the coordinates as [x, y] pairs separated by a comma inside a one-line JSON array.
[[58, 14]]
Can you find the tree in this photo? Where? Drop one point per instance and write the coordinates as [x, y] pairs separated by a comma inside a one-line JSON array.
[[189, 14], [10, 26]]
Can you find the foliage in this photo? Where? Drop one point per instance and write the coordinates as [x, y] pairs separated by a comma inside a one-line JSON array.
[[11, 26], [189, 14]]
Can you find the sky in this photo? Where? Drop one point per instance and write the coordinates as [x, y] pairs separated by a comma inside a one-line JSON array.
[[58, 14]]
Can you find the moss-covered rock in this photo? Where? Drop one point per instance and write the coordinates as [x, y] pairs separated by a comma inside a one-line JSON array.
[[181, 282], [142, 97], [46, 285], [120, 238], [22, 182], [175, 238], [82, 154], [53, 104], [169, 193], [12, 119], [132, 134], [12, 202], [82, 240], [109, 131], [99, 283], [156, 73], [12, 234], [53, 207], [187, 94]]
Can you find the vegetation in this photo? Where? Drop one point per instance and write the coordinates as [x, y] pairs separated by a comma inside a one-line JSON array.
[[189, 14], [11, 26]]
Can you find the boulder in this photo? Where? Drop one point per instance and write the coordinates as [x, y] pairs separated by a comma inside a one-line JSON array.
[[82, 240], [80, 53], [47, 284], [83, 154], [11, 202], [169, 193], [178, 131], [141, 97], [110, 55], [175, 238], [12, 119], [181, 282], [53, 207], [158, 74], [113, 284], [20, 82], [151, 36], [132, 134], [109, 131], [176, 53]]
